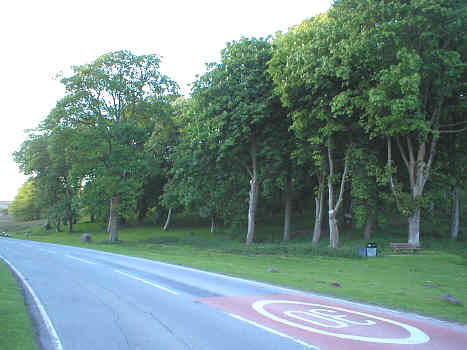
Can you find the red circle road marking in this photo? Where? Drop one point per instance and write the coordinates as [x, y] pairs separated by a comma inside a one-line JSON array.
[[343, 318], [416, 335]]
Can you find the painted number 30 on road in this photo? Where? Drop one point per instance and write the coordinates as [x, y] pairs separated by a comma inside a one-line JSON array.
[[328, 320]]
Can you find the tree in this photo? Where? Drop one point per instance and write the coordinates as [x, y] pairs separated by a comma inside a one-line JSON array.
[[101, 104], [412, 60], [310, 80], [24, 205], [45, 157], [238, 95]]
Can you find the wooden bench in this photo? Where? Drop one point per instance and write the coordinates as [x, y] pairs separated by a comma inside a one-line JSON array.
[[404, 246]]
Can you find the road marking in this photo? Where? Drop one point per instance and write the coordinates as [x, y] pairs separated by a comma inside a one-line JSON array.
[[192, 269], [45, 317], [148, 282], [79, 259], [416, 335], [273, 331]]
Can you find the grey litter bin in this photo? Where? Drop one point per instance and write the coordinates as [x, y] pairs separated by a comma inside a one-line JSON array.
[[371, 249]]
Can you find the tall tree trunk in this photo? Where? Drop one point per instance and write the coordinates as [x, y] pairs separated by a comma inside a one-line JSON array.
[[419, 163], [213, 224], [333, 229], [288, 208], [370, 221], [70, 224], [319, 204], [139, 219], [167, 222], [93, 218], [70, 218], [414, 227], [455, 214], [57, 225], [253, 200], [334, 208], [142, 212], [113, 220]]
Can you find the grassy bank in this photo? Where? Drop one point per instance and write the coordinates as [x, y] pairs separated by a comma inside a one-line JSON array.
[[15, 325], [411, 282]]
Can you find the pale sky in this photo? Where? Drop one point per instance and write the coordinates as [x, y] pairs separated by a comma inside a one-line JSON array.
[[41, 38]]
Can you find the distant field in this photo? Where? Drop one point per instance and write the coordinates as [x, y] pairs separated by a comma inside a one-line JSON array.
[[4, 204], [9, 224]]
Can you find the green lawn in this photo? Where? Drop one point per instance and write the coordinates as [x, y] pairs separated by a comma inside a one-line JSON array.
[[16, 327], [415, 282]]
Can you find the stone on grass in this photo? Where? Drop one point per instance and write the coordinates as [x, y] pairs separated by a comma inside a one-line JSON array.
[[272, 269], [430, 284], [86, 237], [449, 298]]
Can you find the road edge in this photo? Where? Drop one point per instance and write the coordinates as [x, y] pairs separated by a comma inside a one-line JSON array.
[[46, 334]]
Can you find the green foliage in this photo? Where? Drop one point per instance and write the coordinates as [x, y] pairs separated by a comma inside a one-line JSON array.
[[348, 84], [24, 205]]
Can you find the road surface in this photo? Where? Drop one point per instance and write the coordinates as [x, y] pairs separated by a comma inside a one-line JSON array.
[[101, 301]]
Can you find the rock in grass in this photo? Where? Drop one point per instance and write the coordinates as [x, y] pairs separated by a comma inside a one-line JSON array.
[[86, 237], [272, 269], [449, 298], [335, 284], [430, 284]]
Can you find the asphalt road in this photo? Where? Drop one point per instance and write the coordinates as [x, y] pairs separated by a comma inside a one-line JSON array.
[[104, 301]]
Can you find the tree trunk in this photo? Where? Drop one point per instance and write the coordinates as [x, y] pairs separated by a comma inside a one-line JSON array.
[[70, 225], [319, 204], [253, 200], [142, 212], [110, 218], [419, 164], [414, 228], [370, 221], [113, 220], [93, 218], [167, 222], [455, 214], [213, 224], [333, 230], [57, 225], [288, 209], [333, 209]]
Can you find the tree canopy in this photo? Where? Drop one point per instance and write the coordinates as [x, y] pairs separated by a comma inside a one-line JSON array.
[[366, 100]]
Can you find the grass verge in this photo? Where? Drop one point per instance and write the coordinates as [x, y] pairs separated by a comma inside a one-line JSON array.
[[15, 324], [411, 282]]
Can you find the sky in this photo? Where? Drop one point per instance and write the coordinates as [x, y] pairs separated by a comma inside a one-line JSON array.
[[40, 39]]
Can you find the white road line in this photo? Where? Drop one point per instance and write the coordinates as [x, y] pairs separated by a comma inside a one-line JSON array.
[[48, 323], [213, 274], [192, 269], [273, 331], [79, 259], [148, 282]]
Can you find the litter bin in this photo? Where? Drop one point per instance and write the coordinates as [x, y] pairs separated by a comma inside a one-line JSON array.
[[371, 249]]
